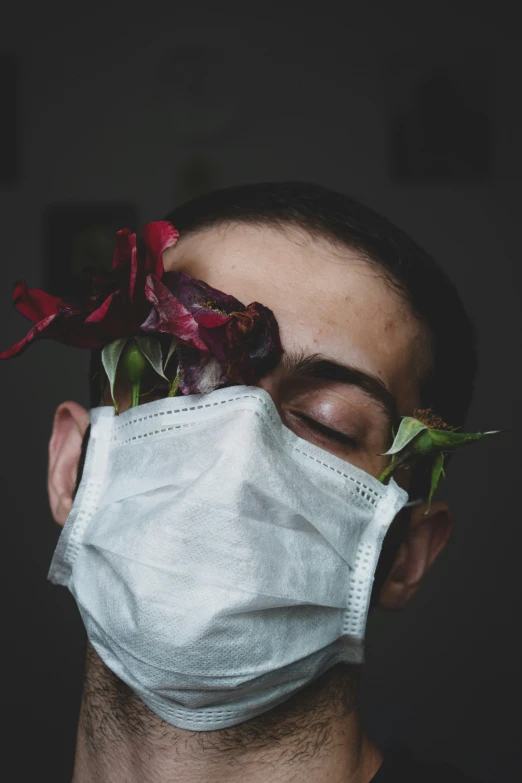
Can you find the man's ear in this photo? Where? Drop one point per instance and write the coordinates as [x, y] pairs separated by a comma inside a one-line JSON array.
[[65, 445], [427, 536]]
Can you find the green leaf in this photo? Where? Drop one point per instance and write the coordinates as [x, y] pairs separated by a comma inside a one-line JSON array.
[[409, 429], [151, 349], [173, 345], [436, 471], [449, 441], [111, 354]]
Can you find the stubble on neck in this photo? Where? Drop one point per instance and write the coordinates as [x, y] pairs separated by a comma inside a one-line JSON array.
[[121, 739]]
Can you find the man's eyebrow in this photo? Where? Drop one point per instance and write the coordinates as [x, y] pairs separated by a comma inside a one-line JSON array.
[[318, 366]]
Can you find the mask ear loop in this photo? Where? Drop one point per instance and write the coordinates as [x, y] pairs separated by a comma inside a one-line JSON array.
[[413, 502]]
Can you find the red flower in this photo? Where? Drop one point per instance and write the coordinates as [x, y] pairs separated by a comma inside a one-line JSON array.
[[251, 343], [245, 339], [117, 305], [218, 336]]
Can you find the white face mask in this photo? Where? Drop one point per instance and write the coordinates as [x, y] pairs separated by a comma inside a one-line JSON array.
[[220, 562]]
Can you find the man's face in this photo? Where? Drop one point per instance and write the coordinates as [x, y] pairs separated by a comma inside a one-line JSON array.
[[330, 302], [327, 301]]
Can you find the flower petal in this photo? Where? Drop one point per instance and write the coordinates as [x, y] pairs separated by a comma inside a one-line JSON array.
[[134, 265], [115, 317], [34, 303], [38, 331], [200, 375], [198, 297], [125, 247], [252, 345], [127, 262], [169, 316], [215, 339], [151, 323], [100, 313], [158, 237], [66, 326]]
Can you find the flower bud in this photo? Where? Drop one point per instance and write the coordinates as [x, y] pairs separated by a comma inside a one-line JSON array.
[[417, 438], [133, 362], [134, 366]]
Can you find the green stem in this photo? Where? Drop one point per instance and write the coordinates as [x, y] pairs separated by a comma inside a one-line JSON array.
[[135, 394], [397, 461], [174, 385], [386, 473]]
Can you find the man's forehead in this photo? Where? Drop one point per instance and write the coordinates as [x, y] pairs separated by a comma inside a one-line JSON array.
[[326, 299]]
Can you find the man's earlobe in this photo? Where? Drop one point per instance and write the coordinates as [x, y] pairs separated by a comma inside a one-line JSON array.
[[70, 422], [427, 536]]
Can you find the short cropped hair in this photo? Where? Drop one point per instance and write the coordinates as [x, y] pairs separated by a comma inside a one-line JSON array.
[[326, 214]]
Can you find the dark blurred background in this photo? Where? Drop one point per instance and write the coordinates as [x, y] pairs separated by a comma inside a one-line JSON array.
[[113, 115]]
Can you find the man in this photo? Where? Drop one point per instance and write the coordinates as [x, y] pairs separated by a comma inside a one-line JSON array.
[[349, 290]]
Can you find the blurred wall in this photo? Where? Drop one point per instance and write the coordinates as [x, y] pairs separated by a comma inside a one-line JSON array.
[[154, 106]]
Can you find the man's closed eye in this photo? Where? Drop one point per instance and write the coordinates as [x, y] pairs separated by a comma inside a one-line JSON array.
[[328, 432]]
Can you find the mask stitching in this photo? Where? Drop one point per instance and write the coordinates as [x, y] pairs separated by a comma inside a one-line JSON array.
[[366, 558], [154, 432], [85, 514], [191, 408], [353, 615], [360, 486], [210, 714]]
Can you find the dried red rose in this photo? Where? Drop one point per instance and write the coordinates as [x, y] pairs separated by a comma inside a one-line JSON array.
[[216, 337], [116, 307], [246, 339]]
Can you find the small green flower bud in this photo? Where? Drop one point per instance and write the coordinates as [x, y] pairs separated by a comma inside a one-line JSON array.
[[133, 363], [134, 366], [425, 436]]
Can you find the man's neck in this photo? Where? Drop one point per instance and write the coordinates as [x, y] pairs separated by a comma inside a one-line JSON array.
[[314, 736]]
